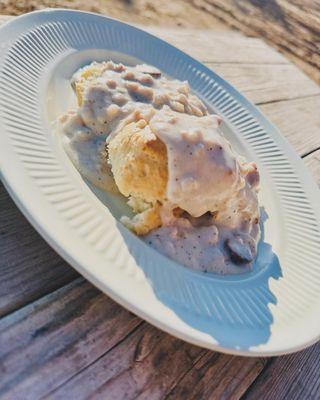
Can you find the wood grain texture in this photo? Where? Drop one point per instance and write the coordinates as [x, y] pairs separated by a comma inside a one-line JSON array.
[[46, 343], [155, 365], [29, 268], [76, 343], [145, 365], [298, 120], [294, 377], [313, 163], [216, 376], [292, 26], [266, 83], [219, 47]]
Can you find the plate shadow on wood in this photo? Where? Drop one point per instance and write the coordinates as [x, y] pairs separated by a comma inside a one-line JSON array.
[[217, 311]]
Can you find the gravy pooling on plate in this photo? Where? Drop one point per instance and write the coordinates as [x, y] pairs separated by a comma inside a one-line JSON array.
[[149, 137]]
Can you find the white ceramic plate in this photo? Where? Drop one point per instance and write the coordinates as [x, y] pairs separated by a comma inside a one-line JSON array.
[[272, 310]]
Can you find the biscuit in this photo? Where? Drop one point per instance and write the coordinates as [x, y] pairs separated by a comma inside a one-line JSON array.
[[139, 162], [145, 221]]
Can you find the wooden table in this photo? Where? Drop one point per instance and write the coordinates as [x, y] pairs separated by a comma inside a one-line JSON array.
[[61, 338]]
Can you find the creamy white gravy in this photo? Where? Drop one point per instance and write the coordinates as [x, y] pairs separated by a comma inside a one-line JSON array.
[[203, 169], [211, 248], [117, 90], [205, 174], [87, 152]]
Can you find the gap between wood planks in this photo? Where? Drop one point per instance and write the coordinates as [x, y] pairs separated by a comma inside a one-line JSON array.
[[130, 332], [294, 376], [310, 152], [202, 353], [280, 100]]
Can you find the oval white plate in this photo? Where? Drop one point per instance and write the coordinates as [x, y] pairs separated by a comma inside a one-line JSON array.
[[272, 310]]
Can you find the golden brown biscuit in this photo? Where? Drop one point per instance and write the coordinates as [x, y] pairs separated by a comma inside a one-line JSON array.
[[145, 221], [79, 89], [139, 162], [84, 77]]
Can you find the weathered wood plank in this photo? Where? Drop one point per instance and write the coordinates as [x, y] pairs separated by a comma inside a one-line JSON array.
[[267, 83], [294, 377], [29, 268], [47, 342], [313, 163], [145, 365], [61, 343], [291, 26], [298, 120], [219, 47], [216, 376], [148, 365]]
